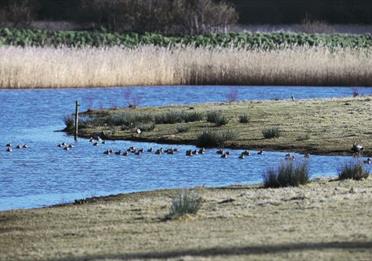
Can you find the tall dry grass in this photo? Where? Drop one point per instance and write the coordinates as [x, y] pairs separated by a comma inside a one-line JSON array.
[[148, 65]]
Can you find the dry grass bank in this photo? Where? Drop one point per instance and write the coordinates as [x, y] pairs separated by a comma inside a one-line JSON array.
[[321, 126], [63, 67], [320, 221]]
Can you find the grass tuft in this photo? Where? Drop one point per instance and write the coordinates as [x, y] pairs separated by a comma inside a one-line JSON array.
[[288, 174], [244, 118], [216, 138], [353, 170], [186, 202], [217, 118], [271, 133], [182, 128]]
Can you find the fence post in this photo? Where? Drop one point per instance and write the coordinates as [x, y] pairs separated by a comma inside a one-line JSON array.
[[76, 120]]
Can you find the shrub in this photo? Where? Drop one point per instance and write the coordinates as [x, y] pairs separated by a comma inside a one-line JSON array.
[[186, 202], [128, 119], [169, 117], [288, 174], [193, 116], [217, 118], [244, 118], [303, 137], [69, 122], [215, 138], [271, 133], [182, 128], [353, 170]]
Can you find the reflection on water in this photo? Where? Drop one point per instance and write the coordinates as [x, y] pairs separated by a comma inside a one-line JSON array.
[[44, 174]]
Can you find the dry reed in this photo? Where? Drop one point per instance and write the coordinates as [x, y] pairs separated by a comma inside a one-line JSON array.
[[33, 67]]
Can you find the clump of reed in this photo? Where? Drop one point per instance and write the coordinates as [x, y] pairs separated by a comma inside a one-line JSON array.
[[288, 174], [216, 138], [186, 202], [182, 128], [244, 118], [271, 133], [353, 170], [217, 118], [35, 67]]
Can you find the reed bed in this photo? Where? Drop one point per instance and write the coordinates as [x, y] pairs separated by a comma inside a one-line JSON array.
[[36, 67]]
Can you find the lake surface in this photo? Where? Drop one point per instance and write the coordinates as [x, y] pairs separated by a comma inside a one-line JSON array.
[[45, 174]]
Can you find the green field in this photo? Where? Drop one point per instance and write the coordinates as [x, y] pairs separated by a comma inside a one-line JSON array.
[[28, 37]]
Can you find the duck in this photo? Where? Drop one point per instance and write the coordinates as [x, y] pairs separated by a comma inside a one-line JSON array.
[[368, 161], [125, 153], [220, 151], [108, 152], [95, 144], [242, 155], [149, 150], [66, 148], [19, 146], [9, 149], [195, 152], [246, 153], [25, 146], [260, 152], [170, 152], [201, 151], [159, 151], [224, 155], [189, 153], [118, 152], [91, 139], [9, 145], [289, 157], [357, 148]]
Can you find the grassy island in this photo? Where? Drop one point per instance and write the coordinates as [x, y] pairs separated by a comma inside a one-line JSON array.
[[320, 126]]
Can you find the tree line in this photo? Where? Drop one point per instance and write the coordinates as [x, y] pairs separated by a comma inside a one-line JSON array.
[[164, 16]]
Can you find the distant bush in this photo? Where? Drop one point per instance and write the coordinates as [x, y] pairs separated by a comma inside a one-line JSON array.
[[353, 170], [288, 174], [303, 137], [271, 133], [244, 118], [169, 117], [193, 116], [217, 118], [128, 119], [186, 202], [216, 138]]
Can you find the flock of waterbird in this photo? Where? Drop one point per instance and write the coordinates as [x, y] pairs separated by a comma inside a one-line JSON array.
[[357, 149]]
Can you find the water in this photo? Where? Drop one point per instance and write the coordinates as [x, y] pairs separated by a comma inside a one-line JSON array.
[[45, 174]]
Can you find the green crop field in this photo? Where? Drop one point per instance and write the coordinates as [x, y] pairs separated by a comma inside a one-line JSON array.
[[41, 38]]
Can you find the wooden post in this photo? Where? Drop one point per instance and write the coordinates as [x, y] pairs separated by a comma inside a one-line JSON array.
[[77, 120]]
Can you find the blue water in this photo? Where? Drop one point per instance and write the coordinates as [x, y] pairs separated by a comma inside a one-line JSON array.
[[45, 174]]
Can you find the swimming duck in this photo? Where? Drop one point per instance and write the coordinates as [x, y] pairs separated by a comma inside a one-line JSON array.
[[289, 157], [9, 149], [8, 145], [25, 146], [19, 146], [195, 152], [242, 155], [357, 148], [125, 153], [149, 150], [368, 161], [246, 153], [260, 152], [189, 153], [224, 155], [201, 151], [118, 152], [108, 152], [220, 151]]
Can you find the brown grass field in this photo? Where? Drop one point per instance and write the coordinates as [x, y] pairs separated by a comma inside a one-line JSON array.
[[31, 67], [324, 220], [320, 126]]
